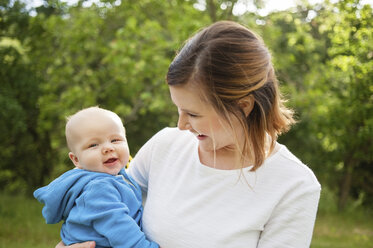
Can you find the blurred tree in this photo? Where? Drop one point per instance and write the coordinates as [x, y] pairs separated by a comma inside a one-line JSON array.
[[78, 56], [323, 55], [348, 131], [25, 149], [59, 58], [105, 55], [224, 10]]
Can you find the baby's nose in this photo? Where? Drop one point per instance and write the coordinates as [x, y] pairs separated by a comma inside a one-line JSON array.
[[107, 148]]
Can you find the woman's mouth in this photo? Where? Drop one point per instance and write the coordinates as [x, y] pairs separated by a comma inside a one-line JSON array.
[[201, 137]]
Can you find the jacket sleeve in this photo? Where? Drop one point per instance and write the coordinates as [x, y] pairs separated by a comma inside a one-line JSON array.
[[102, 207], [292, 221]]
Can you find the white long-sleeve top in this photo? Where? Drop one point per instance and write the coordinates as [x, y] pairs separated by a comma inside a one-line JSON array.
[[190, 205]]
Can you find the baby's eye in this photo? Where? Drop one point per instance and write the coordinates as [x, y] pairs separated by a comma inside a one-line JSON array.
[[115, 140], [92, 145]]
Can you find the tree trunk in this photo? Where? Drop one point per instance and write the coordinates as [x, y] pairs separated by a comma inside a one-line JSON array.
[[211, 9], [345, 186]]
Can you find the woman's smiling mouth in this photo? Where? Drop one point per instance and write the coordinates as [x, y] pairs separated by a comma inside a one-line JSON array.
[[201, 137]]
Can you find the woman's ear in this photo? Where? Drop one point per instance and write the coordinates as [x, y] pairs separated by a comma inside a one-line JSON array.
[[246, 104], [74, 159]]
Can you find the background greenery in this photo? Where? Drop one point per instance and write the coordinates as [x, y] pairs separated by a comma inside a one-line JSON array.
[[59, 58]]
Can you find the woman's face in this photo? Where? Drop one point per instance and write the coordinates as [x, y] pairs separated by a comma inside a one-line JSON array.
[[199, 117]]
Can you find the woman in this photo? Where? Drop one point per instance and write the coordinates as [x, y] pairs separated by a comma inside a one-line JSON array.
[[221, 179]]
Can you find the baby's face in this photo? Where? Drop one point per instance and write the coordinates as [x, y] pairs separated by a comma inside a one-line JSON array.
[[99, 144]]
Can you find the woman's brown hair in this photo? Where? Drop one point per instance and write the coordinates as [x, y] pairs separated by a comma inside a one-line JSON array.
[[232, 64]]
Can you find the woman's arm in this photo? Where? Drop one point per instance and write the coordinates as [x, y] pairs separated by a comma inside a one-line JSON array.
[[88, 244], [292, 222], [140, 165]]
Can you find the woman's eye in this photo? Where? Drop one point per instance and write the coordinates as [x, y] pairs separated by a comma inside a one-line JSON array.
[[192, 115], [92, 145]]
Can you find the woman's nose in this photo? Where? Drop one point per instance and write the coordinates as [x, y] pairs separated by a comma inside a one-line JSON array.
[[183, 123]]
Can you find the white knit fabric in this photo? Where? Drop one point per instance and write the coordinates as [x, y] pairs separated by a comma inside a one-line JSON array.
[[190, 205]]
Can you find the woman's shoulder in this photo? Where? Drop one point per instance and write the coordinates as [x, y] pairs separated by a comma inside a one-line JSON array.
[[164, 142], [174, 131], [171, 135], [286, 165]]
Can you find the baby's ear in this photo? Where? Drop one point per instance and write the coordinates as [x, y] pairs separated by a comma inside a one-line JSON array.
[[74, 159]]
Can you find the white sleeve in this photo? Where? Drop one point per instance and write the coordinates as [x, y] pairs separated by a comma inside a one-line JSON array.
[[140, 165], [292, 221]]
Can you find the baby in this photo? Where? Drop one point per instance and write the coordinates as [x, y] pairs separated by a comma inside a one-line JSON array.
[[97, 200]]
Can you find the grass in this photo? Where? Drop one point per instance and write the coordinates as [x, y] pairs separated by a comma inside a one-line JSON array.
[[343, 230], [22, 226]]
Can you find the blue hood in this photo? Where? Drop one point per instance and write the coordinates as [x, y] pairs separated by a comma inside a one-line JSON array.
[[60, 195]]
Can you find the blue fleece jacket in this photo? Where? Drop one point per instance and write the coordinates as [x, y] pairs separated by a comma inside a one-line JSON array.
[[95, 206]]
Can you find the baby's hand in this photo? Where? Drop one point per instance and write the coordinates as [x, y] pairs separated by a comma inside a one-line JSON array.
[[89, 244]]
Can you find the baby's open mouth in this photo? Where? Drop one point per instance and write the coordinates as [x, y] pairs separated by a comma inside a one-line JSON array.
[[110, 160]]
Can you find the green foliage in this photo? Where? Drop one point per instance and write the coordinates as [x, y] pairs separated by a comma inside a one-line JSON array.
[[116, 56], [20, 140], [69, 57], [325, 64]]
